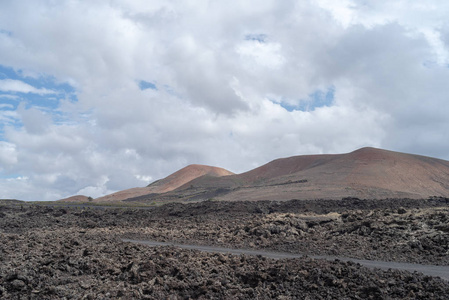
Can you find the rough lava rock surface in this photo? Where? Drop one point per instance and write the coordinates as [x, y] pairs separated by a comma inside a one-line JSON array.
[[76, 253]]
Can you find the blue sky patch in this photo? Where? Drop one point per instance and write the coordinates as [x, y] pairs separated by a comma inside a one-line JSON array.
[[47, 92], [6, 32], [317, 99], [42, 82], [144, 85], [8, 101], [43, 92], [261, 38], [7, 115], [288, 107]]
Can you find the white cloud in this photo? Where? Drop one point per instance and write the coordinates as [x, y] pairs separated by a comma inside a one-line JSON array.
[[258, 54], [17, 86], [23, 188], [95, 191], [12, 97], [8, 154], [34, 120], [7, 106], [425, 18], [216, 66]]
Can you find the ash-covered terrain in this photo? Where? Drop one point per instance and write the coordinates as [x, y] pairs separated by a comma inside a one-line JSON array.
[[76, 252]]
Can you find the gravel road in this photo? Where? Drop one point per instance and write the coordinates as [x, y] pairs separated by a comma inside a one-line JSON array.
[[431, 270]]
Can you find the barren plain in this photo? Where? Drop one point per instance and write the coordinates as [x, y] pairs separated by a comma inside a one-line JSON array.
[[73, 252]]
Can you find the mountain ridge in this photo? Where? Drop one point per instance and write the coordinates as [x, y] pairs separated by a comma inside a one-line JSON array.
[[364, 173], [168, 183]]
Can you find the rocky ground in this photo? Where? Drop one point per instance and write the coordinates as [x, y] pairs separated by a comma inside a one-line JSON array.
[[413, 235], [76, 253]]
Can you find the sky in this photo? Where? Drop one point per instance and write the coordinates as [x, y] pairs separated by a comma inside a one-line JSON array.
[[101, 96]]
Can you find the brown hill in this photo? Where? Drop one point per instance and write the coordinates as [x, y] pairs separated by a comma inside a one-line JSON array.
[[76, 199], [364, 173], [168, 183]]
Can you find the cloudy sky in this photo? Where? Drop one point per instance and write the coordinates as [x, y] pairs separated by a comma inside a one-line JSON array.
[[100, 96]]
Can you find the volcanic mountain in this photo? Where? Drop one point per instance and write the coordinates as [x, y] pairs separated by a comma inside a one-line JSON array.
[[76, 199], [367, 173], [364, 173], [168, 183]]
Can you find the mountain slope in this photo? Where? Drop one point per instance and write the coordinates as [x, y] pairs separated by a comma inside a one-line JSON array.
[[364, 173], [76, 199], [168, 183]]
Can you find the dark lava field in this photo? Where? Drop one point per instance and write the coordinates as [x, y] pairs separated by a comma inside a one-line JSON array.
[[64, 252]]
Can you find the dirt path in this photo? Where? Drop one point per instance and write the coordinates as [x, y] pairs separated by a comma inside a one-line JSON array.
[[431, 270]]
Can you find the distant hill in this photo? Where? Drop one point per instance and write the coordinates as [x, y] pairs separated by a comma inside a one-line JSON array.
[[365, 173], [76, 199], [168, 183], [11, 202]]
